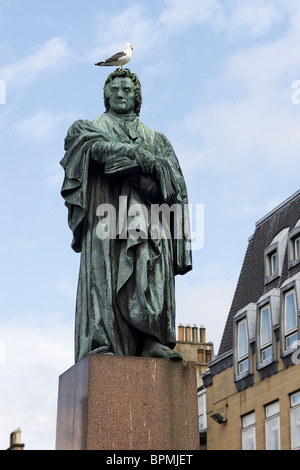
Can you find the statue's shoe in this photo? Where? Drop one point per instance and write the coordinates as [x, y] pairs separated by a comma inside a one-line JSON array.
[[159, 350]]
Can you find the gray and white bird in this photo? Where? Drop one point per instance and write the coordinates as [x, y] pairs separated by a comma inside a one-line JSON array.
[[120, 58]]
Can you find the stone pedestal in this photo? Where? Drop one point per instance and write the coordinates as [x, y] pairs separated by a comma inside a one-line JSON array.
[[128, 403]]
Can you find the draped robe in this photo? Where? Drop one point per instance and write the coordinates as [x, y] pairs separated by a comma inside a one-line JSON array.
[[126, 286]]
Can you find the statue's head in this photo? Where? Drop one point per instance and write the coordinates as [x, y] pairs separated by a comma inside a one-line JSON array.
[[123, 76]]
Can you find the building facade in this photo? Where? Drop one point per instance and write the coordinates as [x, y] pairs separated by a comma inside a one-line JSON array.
[[192, 345], [253, 385]]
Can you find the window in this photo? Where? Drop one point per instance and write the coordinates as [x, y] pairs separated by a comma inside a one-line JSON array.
[[296, 243], [294, 246], [267, 323], [248, 432], [274, 256], [265, 338], [273, 263], [244, 332], [271, 266], [295, 421], [272, 426], [290, 323], [242, 347], [202, 410]]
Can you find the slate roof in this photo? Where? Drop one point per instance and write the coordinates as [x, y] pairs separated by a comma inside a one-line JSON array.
[[251, 285]]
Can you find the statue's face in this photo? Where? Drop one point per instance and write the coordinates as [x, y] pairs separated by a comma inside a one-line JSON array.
[[121, 95]]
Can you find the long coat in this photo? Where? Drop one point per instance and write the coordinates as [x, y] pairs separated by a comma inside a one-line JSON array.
[[126, 282]]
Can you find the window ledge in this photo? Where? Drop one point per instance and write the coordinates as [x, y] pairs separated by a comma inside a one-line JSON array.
[[271, 278], [244, 380], [267, 368], [293, 263], [286, 356]]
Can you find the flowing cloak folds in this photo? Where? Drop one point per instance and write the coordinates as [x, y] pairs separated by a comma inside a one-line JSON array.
[[126, 283]]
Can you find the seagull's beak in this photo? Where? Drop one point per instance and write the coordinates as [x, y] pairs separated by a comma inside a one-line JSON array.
[[131, 47]]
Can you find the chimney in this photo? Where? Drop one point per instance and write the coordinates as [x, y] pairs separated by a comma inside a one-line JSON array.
[[201, 358], [195, 334], [181, 332], [208, 355], [202, 334], [15, 440], [188, 333]]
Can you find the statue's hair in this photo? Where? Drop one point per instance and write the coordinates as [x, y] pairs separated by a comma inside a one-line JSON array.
[[125, 73]]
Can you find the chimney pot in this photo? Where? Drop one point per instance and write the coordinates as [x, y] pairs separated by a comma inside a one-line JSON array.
[[195, 334], [202, 334], [181, 332], [188, 333]]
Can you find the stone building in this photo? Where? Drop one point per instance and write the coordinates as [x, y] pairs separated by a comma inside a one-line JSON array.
[[193, 346], [253, 385]]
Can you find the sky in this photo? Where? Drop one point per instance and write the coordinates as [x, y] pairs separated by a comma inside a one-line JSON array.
[[219, 78]]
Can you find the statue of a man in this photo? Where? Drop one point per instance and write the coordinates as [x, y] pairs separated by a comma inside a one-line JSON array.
[[126, 289]]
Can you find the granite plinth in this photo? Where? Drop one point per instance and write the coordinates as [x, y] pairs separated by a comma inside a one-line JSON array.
[[128, 403]]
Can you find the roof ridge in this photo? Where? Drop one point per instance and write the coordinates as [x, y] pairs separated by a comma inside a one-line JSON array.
[[282, 204]]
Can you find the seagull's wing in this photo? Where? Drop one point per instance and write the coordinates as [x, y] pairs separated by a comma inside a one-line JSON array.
[[116, 56], [112, 59]]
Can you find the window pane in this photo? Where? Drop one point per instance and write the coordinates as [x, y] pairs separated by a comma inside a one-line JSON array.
[[295, 399], [274, 263], [248, 439], [297, 248], [265, 326], [290, 340], [290, 311], [202, 411], [248, 420], [295, 428], [272, 409], [242, 339], [272, 434], [266, 353], [244, 365]]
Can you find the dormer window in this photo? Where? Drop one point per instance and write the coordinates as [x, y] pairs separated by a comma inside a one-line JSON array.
[[267, 324], [290, 323], [244, 340], [266, 349], [242, 347], [274, 256], [294, 245]]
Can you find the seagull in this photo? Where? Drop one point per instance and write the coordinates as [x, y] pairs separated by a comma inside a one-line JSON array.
[[120, 58]]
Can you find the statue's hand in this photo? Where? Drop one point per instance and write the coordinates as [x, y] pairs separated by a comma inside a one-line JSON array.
[[147, 161]]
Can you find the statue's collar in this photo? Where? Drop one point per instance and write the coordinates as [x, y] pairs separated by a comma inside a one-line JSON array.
[[122, 117]]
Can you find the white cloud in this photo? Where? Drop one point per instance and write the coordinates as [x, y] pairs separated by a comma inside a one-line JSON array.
[[248, 209], [42, 126], [55, 178], [179, 16], [67, 286], [21, 245], [250, 118], [207, 303], [36, 355], [148, 33], [43, 60], [253, 128], [133, 24], [253, 18]]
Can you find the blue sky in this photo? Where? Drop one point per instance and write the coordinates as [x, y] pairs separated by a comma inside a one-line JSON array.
[[217, 80]]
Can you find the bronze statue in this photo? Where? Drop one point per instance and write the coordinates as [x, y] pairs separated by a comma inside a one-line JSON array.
[[116, 171]]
